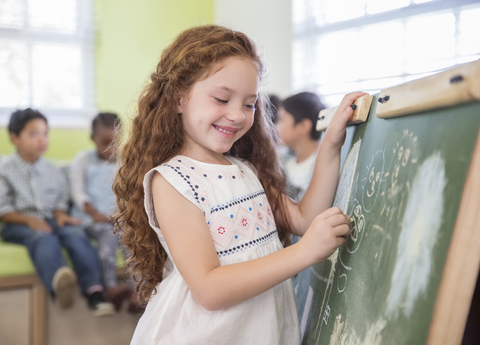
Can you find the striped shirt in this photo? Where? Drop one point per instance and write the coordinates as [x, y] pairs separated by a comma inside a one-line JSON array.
[[31, 189]]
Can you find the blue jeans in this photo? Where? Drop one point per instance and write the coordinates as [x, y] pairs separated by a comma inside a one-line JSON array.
[[45, 252]]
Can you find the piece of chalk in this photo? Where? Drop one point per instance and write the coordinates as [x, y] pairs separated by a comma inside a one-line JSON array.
[[352, 220]]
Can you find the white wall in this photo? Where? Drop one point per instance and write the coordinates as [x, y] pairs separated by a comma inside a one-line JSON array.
[[268, 23]]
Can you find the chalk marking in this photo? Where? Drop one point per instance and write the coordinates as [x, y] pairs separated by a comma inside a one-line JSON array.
[[344, 266], [337, 331], [371, 184], [318, 276], [326, 299], [400, 210], [326, 315], [343, 275], [385, 237], [420, 227], [306, 310], [357, 229]]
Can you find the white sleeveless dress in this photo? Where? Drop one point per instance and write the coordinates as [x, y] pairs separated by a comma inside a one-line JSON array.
[[242, 228]]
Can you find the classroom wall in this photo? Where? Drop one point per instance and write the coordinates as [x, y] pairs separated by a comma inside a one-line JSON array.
[[130, 36], [268, 22]]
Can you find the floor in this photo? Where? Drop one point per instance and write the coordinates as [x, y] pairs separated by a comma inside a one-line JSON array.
[[14, 307], [77, 326]]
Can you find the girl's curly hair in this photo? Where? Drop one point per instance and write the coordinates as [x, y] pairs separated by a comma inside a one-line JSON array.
[[157, 136]]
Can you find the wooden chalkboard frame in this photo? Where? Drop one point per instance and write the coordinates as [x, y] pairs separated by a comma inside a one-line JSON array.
[[462, 265]]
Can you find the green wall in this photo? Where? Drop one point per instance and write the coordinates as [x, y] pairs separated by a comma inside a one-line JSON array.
[[130, 36]]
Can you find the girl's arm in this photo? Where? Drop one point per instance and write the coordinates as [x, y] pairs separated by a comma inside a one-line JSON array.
[[216, 287], [321, 190]]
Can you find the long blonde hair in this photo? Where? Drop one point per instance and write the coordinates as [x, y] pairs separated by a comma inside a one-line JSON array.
[[157, 135]]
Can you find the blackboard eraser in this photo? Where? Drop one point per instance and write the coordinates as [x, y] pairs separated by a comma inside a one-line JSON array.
[[361, 109]]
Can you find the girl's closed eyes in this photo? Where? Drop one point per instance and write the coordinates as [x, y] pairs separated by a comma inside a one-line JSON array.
[[222, 101]]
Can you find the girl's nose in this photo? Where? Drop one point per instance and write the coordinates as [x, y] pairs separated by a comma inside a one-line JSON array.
[[235, 114]]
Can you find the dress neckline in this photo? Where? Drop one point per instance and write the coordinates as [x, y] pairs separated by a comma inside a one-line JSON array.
[[233, 165]]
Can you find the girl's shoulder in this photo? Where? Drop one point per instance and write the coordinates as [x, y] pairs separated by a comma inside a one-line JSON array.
[[242, 163], [173, 170], [177, 172]]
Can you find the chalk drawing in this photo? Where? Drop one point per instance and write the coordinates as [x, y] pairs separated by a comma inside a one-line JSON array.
[[345, 183], [337, 330], [326, 314], [405, 155], [345, 334], [357, 228], [384, 246], [326, 296], [371, 184], [348, 268], [373, 336], [342, 276], [318, 275], [420, 226]]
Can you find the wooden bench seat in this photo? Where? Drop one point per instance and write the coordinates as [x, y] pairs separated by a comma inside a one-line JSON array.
[[23, 299]]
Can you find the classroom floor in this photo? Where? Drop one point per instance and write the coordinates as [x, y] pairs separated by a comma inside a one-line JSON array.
[[77, 326]]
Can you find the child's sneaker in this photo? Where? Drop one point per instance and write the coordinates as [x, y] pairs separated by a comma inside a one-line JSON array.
[[63, 286], [99, 304]]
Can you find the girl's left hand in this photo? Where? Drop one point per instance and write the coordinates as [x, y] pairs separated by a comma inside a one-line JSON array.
[[335, 134]]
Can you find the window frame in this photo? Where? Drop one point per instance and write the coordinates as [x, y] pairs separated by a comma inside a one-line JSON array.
[[309, 30], [83, 38]]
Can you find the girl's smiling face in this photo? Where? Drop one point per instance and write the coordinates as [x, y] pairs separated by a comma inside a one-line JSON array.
[[219, 110]]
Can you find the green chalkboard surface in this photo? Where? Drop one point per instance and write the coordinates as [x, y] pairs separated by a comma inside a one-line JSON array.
[[402, 181]]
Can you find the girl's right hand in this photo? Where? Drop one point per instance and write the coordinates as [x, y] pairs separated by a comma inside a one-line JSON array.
[[336, 131], [327, 232]]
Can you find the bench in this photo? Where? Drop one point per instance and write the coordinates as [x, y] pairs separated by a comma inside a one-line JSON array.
[[23, 299]]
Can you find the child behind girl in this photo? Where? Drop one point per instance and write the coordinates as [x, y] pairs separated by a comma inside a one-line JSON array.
[[210, 248], [297, 119], [91, 177]]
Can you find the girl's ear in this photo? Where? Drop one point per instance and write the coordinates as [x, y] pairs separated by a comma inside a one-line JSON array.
[[181, 101]]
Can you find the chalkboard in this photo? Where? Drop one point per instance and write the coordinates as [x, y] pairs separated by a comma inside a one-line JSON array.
[[403, 181]]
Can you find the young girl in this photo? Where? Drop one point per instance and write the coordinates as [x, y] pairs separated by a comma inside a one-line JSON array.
[[208, 248]]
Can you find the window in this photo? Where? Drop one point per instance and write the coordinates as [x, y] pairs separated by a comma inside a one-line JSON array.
[[340, 46], [46, 59]]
